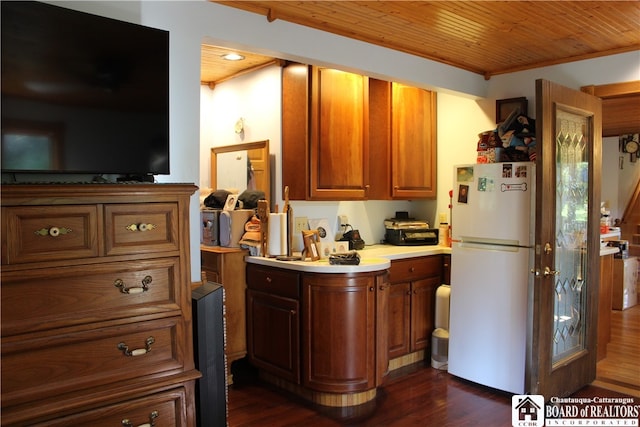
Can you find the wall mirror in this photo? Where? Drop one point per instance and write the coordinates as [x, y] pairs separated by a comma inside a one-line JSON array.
[[242, 167]]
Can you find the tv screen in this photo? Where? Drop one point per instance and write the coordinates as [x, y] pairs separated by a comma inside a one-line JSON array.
[[82, 93]]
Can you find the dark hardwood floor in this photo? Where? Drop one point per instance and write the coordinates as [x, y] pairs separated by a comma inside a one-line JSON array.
[[419, 395]]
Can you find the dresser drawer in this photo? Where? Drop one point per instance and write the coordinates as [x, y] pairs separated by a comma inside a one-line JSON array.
[[274, 281], [39, 367], [158, 410], [48, 233], [41, 299], [141, 228], [414, 268]]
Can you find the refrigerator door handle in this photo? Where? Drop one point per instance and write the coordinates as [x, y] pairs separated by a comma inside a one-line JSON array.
[[491, 244]]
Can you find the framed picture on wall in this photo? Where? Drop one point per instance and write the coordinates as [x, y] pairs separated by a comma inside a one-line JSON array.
[[504, 107]]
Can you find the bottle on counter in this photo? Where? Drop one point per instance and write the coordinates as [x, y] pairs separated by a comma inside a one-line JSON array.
[[443, 234]]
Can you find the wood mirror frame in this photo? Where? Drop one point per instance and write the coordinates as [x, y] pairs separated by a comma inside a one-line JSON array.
[[258, 153]]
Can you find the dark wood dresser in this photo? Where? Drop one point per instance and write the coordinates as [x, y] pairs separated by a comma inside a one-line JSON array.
[[96, 305]]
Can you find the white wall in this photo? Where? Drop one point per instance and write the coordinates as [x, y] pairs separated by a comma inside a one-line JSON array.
[[255, 98], [619, 177], [629, 176], [612, 69], [191, 22]]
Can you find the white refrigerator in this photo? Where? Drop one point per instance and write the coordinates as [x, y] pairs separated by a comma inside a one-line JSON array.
[[493, 211]]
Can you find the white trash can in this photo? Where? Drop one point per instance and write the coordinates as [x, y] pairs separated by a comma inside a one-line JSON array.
[[440, 336]]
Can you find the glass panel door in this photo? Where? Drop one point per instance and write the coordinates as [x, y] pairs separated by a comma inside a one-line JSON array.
[[572, 197], [563, 295]]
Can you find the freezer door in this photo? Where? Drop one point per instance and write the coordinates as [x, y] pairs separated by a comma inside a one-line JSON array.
[[494, 201], [487, 332]]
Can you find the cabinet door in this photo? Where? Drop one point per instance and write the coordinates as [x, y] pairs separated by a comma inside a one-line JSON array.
[[446, 269], [399, 319], [273, 334], [382, 327], [227, 268], [339, 156], [413, 142], [423, 297], [295, 130], [339, 333]]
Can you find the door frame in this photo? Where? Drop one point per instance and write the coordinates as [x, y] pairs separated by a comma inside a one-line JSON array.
[[542, 377]]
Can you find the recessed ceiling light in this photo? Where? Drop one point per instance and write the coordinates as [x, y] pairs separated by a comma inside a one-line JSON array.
[[233, 57]]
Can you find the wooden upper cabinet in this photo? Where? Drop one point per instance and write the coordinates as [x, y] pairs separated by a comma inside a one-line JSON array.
[[295, 130], [339, 135], [325, 133], [403, 141], [349, 137], [413, 142]]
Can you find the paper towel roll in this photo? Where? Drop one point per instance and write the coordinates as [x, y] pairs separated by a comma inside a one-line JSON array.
[[277, 242]]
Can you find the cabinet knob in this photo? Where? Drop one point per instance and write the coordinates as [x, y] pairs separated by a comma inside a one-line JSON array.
[[268, 279], [52, 231], [412, 269], [140, 227]]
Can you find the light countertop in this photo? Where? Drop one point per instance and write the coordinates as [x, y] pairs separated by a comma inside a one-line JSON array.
[[608, 251], [372, 258]]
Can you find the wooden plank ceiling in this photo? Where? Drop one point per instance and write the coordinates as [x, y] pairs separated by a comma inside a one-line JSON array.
[[484, 37]]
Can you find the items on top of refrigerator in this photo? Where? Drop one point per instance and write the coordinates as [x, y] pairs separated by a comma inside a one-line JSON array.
[[513, 140]]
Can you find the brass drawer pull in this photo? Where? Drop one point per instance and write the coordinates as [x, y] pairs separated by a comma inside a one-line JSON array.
[[119, 283], [152, 416], [139, 351], [140, 227], [52, 231]]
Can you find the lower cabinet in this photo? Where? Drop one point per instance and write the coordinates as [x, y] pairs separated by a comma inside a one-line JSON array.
[[340, 321], [324, 332], [273, 320], [412, 303], [446, 269], [226, 266]]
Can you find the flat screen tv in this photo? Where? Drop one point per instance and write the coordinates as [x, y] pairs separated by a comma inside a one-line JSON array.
[[82, 94]]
